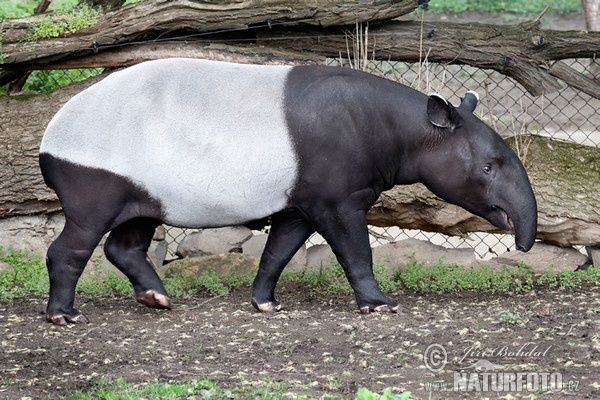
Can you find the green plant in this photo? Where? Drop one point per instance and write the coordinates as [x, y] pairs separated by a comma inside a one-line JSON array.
[[105, 284], [68, 22], [506, 6], [27, 275], [366, 394], [112, 389], [512, 318], [328, 279]]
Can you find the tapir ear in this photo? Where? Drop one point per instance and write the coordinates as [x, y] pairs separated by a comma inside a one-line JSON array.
[[440, 112], [469, 102]]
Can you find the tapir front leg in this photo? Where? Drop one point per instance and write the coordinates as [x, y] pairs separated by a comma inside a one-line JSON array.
[[347, 234], [289, 230]]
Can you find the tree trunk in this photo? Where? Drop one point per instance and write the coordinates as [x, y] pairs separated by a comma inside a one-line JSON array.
[[566, 179], [591, 12], [22, 123]]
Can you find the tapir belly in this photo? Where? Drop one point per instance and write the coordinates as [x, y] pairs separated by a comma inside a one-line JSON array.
[[208, 141]]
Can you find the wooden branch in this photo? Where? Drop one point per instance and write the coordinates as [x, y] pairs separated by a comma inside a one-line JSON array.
[[573, 78], [521, 51], [153, 19], [134, 54]]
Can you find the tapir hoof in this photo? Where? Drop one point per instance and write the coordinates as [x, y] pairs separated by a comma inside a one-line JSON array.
[[64, 319], [267, 307], [384, 308], [154, 299]]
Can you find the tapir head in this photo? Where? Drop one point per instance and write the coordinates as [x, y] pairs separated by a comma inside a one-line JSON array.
[[467, 163]]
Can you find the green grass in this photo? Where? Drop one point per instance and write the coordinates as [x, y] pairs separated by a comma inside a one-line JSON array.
[[510, 6], [24, 8], [28, 277], [119, 389], [71, 21], [9, 9]]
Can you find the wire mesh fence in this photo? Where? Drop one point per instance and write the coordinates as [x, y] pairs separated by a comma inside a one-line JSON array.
[[505, 105]]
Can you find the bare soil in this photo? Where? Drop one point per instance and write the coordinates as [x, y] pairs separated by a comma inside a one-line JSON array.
[[320, 345]]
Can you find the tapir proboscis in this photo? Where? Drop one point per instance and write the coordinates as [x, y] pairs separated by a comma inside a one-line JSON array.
[[195, 143]]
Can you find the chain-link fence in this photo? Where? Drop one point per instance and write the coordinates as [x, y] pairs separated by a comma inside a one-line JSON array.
[[505, 105]]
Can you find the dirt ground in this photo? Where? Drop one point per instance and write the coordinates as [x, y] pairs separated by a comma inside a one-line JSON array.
[[320, 345]]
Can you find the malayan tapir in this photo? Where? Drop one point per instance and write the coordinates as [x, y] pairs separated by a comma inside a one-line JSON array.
[[195, 143]]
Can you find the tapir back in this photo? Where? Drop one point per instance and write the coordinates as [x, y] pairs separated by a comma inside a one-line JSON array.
[[208, 140]]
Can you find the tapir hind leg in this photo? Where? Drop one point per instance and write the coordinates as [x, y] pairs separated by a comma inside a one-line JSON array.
[[127, 247], [289, 230], [66, 260]]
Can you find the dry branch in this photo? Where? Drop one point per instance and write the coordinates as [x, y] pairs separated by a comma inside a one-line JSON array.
[[524, 51]]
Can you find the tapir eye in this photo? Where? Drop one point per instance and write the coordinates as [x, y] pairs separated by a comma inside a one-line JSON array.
[[487, 169]]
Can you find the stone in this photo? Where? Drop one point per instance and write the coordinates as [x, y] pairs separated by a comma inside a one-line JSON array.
[[160, 233], [214, 241], [222, 264], [544, 258], [5, 267], [320, 257], [395, 256], [594, 255], [157, 252], [32, 233], [256, 245]]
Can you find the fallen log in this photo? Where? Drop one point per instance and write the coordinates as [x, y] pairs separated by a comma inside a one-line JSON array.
[[154, 19], [565, 177], [523, 52]]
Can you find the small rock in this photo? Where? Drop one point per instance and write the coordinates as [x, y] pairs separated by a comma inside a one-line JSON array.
[[222, 264], [214, 241], [594, 255], [256, 244], [4, 267], [160, 233], [157, 253], [396, 255], [320, 256], [544, 258]]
